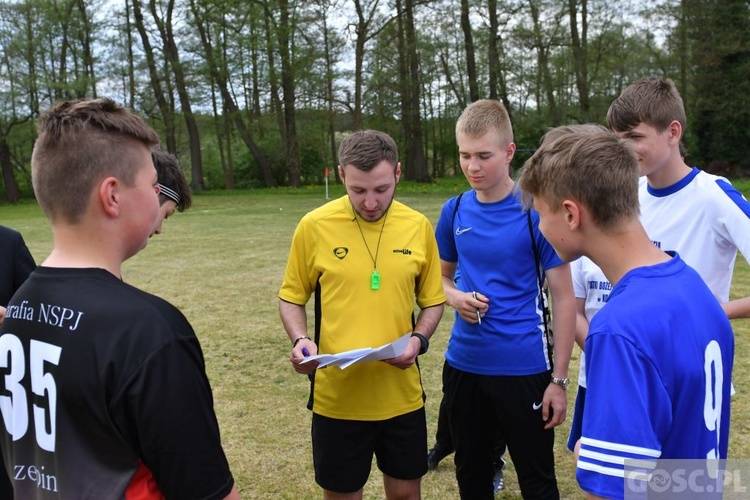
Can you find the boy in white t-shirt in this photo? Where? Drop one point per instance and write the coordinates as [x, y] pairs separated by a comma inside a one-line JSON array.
[[700, 215]]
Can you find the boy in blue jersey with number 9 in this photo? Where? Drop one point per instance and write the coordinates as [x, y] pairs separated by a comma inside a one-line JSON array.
[[659, 353]]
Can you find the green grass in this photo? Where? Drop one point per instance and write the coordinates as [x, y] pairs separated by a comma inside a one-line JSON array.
[[222, 262]]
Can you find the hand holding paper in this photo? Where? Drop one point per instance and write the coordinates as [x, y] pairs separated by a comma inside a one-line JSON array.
[[348, 358]]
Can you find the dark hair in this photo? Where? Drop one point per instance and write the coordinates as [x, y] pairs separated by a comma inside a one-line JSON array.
[[171, 175], [80, 142], [652, 101], [365, 149]]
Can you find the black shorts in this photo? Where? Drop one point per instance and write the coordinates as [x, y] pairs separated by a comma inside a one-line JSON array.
[[479, 406], [343, 449]]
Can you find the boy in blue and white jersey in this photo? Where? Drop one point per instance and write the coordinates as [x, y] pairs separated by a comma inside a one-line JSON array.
[[701, 216], [659, 353]]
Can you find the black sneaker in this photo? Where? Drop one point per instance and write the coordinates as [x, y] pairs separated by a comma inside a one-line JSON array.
[[498, 481], [434, 456]]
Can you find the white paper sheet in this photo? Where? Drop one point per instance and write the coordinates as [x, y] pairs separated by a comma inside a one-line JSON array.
[[345, 359]]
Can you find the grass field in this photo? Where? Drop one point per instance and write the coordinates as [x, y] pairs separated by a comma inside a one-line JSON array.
[[222, 262]]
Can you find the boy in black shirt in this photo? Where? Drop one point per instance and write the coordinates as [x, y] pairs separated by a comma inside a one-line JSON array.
[[105, 392]]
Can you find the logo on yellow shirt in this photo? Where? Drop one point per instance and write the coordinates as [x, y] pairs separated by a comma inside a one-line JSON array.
[[340, 252]]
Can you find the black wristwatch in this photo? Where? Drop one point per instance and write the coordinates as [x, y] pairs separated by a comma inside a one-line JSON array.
[[422, 340]]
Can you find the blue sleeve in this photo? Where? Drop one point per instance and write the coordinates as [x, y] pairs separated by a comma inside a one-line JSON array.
[[730, 217], [627, 410], [444, 232], [734, 195]]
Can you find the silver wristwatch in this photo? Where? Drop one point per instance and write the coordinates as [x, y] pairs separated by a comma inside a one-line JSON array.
[[562, 382]]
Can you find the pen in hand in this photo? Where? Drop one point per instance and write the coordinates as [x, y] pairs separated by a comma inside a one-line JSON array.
[[305, 352], [479, 318]]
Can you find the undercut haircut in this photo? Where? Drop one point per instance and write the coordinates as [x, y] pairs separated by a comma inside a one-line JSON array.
[[586, 163], [170, 174], [653, 101], [80, 143], [365, 149], [483, 116]]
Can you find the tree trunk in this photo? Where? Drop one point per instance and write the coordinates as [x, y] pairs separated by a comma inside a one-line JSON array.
[[498, 83], [12, 194], [683, 53], [231, 106], [580, 55], [131, 64], [30, 58], [173, 56], [218, 119], [161, 100], [363, 35], [291, 144], [403, 84], [87, 54], [329, 100], [272, 79], [366, 14], [256, 85], [471, 64], [493, 59], [229, 170], [414, 146], [447, 73], [542, 50], [359, 58]]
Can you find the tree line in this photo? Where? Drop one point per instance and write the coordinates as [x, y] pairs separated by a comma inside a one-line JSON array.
[[256, 92]]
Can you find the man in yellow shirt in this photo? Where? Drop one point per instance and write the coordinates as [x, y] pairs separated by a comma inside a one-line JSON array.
[[367, 258]]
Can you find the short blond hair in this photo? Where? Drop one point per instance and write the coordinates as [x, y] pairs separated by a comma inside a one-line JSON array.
[[587, 163], [485, 115]]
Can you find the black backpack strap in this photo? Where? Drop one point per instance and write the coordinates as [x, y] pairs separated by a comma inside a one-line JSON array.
[[455, 210], [546, 319]]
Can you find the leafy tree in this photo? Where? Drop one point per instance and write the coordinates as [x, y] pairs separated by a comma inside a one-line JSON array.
[[721, 60]]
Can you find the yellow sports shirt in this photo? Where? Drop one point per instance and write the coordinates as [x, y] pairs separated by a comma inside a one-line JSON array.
[[329, 257]]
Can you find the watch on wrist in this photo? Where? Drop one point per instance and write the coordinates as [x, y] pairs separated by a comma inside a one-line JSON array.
[[562, 382], [422, 340]]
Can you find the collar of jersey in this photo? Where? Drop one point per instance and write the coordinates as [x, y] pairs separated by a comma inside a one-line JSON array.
[[661, 192]]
